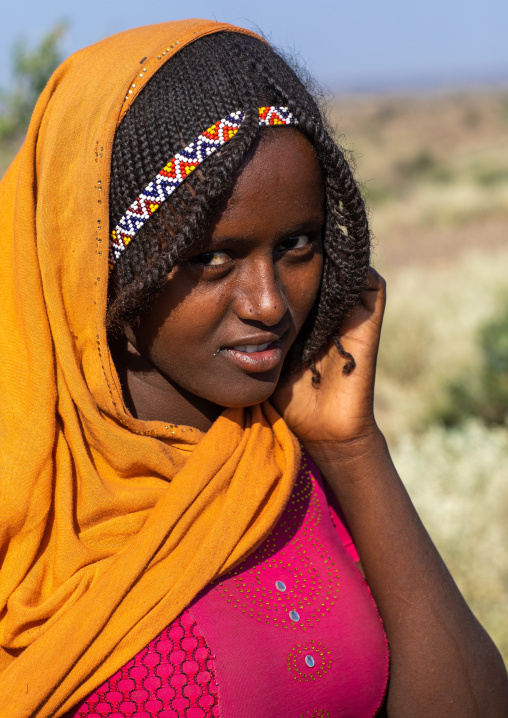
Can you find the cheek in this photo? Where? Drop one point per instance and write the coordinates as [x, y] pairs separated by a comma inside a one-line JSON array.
[[182, 320], [184, 335], [160, 335]]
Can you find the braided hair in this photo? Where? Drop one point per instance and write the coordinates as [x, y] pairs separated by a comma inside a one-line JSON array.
[[205, 81]]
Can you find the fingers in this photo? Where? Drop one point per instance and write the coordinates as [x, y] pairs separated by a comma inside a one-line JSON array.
[[375, 280], [369, 310], [374, 297]]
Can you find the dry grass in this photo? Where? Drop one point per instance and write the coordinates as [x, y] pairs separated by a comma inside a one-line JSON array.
[[457, 480]]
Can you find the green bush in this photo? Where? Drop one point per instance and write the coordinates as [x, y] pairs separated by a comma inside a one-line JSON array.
[[31, 71], [417, 166], [485, 394], [491, 176], [432, 337]]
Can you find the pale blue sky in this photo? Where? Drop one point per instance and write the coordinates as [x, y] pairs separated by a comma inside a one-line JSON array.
[[344, 44]]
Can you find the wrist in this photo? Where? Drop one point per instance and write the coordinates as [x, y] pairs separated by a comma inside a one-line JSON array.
[[354, 456]]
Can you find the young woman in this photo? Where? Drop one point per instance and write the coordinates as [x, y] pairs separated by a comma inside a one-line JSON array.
[[171, 390]]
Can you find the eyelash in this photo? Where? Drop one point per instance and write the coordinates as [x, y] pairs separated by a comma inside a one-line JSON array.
[[199, 259]]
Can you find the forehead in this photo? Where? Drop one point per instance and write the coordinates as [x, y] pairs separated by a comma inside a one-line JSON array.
[[282, 173]]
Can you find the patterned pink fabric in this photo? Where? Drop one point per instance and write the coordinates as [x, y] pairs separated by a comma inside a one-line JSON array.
[[294, 632], [173, 676]]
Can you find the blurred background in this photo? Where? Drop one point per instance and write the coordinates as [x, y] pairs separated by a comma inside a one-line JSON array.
[[418, 96]]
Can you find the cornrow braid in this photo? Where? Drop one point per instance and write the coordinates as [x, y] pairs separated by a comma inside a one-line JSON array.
[[204, 82]]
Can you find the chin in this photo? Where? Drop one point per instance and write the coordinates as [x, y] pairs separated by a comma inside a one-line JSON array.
[[244, 403], [249, 397]]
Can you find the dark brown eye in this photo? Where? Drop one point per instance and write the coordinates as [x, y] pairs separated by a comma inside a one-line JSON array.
[[297, 242], [211, 259]]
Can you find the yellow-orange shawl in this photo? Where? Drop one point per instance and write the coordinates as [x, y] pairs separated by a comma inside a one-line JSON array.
[[107, 530]]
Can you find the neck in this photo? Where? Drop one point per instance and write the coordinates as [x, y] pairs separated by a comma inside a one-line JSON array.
[[151, 396]]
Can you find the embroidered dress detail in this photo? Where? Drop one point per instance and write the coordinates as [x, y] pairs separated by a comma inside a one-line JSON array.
[[179, 168], [173, 676]]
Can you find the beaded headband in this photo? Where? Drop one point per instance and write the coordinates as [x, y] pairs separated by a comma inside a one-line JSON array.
[[179, 168]]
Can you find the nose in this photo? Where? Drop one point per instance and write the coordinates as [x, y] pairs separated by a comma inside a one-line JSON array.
[[259, 295]]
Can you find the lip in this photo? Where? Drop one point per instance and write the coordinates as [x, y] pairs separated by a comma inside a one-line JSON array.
[[255, 361]]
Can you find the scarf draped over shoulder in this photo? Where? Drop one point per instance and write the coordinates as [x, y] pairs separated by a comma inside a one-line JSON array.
[[109, 526]]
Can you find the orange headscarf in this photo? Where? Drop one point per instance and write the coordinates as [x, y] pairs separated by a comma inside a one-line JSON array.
[[109, 526]]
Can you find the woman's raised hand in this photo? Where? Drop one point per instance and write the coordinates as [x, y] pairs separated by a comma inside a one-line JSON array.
[[340, 409], [441, 660]]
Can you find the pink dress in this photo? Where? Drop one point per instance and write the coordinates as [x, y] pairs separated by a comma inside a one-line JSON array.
[[291, 633]]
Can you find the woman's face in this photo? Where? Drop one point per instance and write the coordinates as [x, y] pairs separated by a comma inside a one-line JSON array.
[[227, 317]]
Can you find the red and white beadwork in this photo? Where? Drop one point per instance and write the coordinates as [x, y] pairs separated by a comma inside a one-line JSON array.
[[179, 168]]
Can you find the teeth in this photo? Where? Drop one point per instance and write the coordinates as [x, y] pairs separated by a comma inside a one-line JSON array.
[[251, 348]]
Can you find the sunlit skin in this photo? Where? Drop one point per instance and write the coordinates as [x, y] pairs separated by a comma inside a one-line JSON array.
[[252, 286]]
